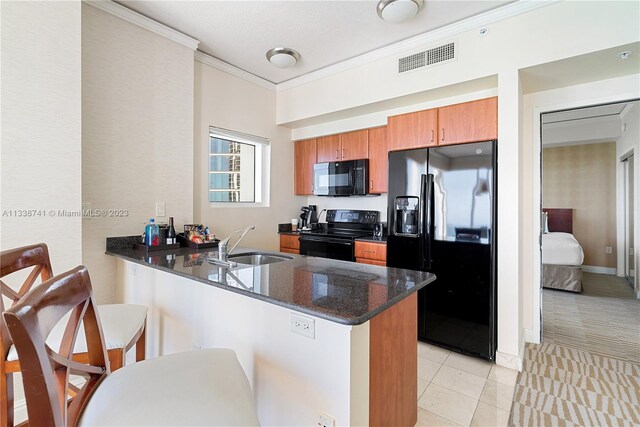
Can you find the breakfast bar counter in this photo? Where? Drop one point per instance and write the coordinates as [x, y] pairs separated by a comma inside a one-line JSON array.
[[339, 291], [315, 336]]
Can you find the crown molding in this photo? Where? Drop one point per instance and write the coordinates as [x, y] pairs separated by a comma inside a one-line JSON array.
[[448, 31], [144, 22], [233, 70]]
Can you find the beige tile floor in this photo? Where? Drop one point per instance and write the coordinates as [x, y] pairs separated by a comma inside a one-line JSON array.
[[457, 390]]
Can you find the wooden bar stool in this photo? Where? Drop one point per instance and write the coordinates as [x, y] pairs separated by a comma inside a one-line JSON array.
[[203, 387], [124, 324]]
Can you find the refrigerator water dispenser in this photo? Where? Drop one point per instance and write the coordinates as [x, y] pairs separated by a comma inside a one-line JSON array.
[[406, 221]]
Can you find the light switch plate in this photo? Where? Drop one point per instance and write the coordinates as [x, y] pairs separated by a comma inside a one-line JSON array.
[[161, 209]]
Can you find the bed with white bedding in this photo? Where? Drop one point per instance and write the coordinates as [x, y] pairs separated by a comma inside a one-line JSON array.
[[562, 255]]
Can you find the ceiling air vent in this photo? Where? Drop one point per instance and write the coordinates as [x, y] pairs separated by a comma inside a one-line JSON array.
[[428, 57]]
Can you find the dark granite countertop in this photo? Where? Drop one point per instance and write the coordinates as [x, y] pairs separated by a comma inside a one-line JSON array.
[[341, 291]]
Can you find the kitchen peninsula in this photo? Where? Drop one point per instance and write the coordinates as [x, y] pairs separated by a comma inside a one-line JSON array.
[[353, 358]]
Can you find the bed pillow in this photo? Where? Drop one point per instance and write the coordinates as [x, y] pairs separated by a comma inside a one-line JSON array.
[[545, 222]]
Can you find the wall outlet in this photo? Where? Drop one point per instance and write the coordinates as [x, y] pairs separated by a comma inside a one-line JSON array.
[[303, 326], [161, 209], [608, 249], [325, 421]]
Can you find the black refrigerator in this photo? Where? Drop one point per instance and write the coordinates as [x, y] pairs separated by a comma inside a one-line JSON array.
[[442, 219]]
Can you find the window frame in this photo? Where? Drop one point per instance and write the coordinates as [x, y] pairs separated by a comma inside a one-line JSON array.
[[261, 167]]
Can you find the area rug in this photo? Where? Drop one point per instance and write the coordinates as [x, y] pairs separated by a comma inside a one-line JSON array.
[[562, 386]]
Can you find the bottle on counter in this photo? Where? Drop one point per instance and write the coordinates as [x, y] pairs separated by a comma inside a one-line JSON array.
[[151, 234], [171, 232]]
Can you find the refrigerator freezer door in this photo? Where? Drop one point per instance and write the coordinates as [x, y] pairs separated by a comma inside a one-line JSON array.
[[405, 244], [463, 192], [405, 170]]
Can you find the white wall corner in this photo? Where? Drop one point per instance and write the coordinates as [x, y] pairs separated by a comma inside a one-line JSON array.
[[233, 70], [142, 21], [532, 336], [512, 361]]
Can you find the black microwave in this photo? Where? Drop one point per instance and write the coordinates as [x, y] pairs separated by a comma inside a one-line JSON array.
[[348, 178]]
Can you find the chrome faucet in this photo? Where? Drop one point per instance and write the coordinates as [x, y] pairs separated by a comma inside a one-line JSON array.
[[222, 246]]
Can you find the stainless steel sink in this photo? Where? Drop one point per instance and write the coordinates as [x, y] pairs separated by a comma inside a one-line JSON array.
[[258, 258]]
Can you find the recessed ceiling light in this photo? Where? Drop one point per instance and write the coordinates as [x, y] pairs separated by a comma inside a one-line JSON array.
[[625, 54], [283, 57], [397, 11]]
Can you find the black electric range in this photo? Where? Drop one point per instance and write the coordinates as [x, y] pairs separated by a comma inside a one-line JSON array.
[[337, 239]]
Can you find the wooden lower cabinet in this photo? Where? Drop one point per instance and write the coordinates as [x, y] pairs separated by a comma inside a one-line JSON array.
[[371, 253], [290, 243], [393, 365]]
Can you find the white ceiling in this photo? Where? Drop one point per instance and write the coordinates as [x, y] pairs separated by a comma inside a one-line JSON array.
[[589, 125], [325, 32]]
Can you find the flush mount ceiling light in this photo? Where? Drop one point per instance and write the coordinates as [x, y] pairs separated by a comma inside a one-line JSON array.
[[397, 11], [283, 57]]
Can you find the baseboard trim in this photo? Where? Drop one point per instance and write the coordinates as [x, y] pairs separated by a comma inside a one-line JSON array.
[[532, 336], [599, 270], [511, 361]]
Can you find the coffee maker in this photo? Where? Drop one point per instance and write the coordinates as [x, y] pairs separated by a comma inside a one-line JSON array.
[[309, 217]]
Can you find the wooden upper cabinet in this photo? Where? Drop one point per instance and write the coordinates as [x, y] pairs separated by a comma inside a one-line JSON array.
[[468, 122], [304, 153], [329, 149], [344, 146], [355, 145], [378, 160], [413, 130]]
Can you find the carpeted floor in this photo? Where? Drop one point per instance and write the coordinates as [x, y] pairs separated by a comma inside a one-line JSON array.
[[564, 386], [603, 319], [587, 370]]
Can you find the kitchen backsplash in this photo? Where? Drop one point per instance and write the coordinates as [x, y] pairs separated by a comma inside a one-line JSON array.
[[374, 203]]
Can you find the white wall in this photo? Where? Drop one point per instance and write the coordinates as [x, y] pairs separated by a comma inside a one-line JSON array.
[[539, 36], [629, 142], [137, 134], [293, 377], [41, 138], [229, 102], [40, 132], [604, 91]]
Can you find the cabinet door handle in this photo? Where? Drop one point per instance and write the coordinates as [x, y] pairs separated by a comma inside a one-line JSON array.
[[432, 133], [343, 153], [442, 134], [371, 185], [370, 252], [337, 154]]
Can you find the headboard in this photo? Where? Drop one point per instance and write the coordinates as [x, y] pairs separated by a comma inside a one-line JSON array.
[[560, 220]]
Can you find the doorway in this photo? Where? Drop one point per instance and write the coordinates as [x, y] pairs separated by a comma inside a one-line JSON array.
[[629, 219], [585, 296]]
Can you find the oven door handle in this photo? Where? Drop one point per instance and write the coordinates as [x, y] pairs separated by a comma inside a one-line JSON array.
[[323, 240]]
